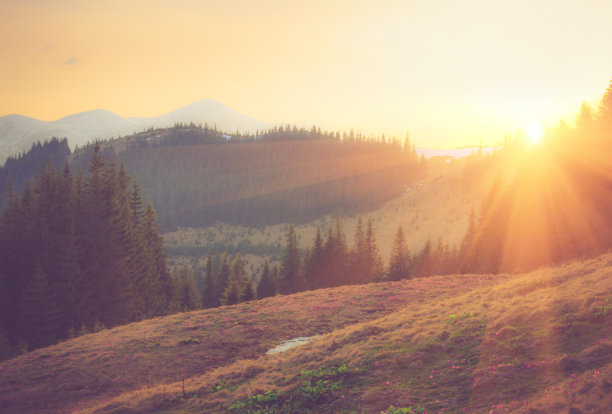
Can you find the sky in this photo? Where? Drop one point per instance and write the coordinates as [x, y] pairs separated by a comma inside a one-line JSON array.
[[450, 73]]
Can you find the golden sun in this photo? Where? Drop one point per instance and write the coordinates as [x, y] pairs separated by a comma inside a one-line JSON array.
[[534, 134]]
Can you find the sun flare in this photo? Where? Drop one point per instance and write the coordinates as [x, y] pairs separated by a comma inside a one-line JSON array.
[[534, 134]]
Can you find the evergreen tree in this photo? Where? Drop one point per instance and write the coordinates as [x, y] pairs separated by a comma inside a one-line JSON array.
[[400, 261], [358, 257], [231, 294], [466, 261], [223, 276], [248, 293], [266, 287], [13, 261], [425, 264], [605, 107], [186, 290], [160, 292], [211, 296], [39, 316], [335, 270], [373, 264], [276, 278], [243, 281], [313, 263], [290, 268]]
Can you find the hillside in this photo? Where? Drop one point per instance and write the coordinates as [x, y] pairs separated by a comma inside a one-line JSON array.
[[436, 207], [535, 342], [196, 176]]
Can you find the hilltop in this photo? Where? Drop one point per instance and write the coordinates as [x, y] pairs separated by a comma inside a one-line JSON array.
[[535, 342]]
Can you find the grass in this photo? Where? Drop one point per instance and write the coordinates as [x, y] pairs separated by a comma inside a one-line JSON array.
[[537, 342]]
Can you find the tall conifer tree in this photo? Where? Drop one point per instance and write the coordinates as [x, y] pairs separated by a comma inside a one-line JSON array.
[[400, 261], [290, 268]]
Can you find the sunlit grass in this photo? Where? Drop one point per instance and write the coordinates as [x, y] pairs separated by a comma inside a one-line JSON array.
[[479, 342]]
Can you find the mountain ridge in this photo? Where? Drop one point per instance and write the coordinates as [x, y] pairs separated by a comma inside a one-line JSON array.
[[18, 132]]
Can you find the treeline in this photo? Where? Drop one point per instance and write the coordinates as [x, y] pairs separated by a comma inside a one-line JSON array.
[[245, 246], [20, 169], [79, 251], [196, 134], [328, 262]]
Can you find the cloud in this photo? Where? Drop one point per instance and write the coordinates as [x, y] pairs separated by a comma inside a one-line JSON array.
[[72, 61]]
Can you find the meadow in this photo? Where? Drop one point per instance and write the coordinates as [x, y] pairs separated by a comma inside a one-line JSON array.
[[534, 342]]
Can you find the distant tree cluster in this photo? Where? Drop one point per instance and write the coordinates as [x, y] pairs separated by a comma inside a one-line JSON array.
[[195, 134], [329, 262], [76, 252]]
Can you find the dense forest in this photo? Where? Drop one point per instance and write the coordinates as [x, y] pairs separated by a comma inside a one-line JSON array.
[[20, 169], [78, 251], [197, 175]]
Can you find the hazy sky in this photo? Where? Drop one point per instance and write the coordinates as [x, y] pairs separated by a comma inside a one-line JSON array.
[[450, 73]]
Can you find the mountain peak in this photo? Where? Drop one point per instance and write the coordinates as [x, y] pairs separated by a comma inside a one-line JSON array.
[[93, 115]]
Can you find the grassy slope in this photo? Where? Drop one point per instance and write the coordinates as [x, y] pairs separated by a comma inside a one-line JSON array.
[[536, 342]]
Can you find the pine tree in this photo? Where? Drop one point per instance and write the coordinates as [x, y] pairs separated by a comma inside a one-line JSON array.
[[400, 261], [39, 316], [290, 268], [12, 242], [187, 294], [373, 261], [605, 107], [313, 264], [223, 276], [93, 231], [466, 261], [244, 283], [358, 257], [424, 265], [266, 287], [248, 293], [335, 264], [211, 296], [231, 294], [160, 293]]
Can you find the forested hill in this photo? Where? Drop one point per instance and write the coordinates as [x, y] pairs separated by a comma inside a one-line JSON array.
[[198, 175], [23, 167]]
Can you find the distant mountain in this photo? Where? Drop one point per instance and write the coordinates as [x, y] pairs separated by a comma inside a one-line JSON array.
[[18, 132], [208, 112]]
